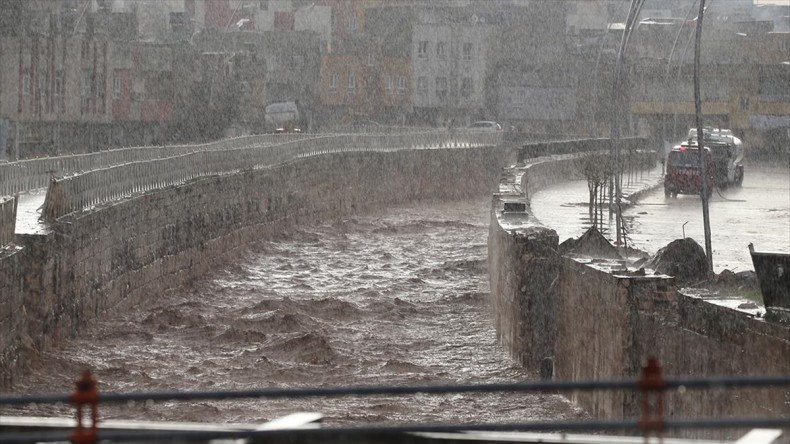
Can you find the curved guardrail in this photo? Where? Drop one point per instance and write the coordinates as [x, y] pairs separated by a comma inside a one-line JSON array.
[[86, 189], [25, 175]]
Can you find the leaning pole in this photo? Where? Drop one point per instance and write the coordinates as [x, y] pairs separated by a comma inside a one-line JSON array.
[[701, 138]]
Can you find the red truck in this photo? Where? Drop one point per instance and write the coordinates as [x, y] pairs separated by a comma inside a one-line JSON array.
[[723, 154], [683, 171]]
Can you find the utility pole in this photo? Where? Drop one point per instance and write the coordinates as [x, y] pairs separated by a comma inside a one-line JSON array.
[[617, 103], [664, 138], [701, 138]]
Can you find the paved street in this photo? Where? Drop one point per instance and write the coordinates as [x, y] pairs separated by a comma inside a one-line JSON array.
[[757, 213]]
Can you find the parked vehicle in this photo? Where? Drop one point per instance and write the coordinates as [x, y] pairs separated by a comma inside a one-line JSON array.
[[282, 117], [485, 125], [727, 153], [287, 129], [723, 154], [683, 173]]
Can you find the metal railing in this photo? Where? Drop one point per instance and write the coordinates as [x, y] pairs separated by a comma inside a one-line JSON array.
[[86, 189], [651, 386], [25, 175]]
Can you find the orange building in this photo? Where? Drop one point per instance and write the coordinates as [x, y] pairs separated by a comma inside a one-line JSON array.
[[342, 81], [359, 80]]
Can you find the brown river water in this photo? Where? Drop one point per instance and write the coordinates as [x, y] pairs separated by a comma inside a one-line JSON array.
[[396, 298]]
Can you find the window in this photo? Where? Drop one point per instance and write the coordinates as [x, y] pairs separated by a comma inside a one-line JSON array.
[[422, 85], [352, 82], [42, 80], [440, 52], [333, 82], [441, 87], [85, 83], [284, 20], [59, 102], [422, 50], [58, 83], [371, 59], [467, 51], [116, 88], [466, 87], [351, 26], [401, 85], [26, 82], [85, 89], [101, 89], [389, 84]]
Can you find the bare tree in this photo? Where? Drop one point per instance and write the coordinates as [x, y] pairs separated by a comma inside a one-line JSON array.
[[596, 169]]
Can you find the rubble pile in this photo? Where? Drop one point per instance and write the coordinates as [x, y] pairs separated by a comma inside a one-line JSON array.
[[682, 258]]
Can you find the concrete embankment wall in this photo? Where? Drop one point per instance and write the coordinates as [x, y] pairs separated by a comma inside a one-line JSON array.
[[128, 252], [596, 322], [610, 322], [523, 262]]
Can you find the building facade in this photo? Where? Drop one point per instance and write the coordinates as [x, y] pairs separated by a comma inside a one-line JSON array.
[[81, 75], [449, 59]]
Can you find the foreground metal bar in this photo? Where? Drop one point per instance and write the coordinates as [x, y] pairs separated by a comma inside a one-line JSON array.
[[389, 433], [699, 383]]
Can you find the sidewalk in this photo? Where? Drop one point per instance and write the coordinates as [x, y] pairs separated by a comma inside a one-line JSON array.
[[642, 182], [565, 206]]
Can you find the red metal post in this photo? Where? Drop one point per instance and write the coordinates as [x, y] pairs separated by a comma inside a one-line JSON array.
[[652, 382], [85, 393]]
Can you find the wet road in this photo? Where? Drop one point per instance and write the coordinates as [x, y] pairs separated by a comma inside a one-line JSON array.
[[397, 298], [758, 213]]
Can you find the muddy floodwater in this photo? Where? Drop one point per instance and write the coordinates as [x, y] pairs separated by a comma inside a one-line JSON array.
[[396, 298]]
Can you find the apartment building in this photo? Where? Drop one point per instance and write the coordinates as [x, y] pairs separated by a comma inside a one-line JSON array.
[[69, 82], [449, 58], [365, 69], [76, 75]]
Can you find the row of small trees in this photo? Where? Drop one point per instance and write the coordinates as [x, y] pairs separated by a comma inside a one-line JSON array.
[[597, 169]]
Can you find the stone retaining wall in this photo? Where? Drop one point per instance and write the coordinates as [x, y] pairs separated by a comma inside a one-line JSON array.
[[128, 252], [610, 323], [595, 322], [12, 315], [7, 220]]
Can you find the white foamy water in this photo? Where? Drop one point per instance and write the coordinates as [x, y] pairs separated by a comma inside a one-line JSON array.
[[396, 298]]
